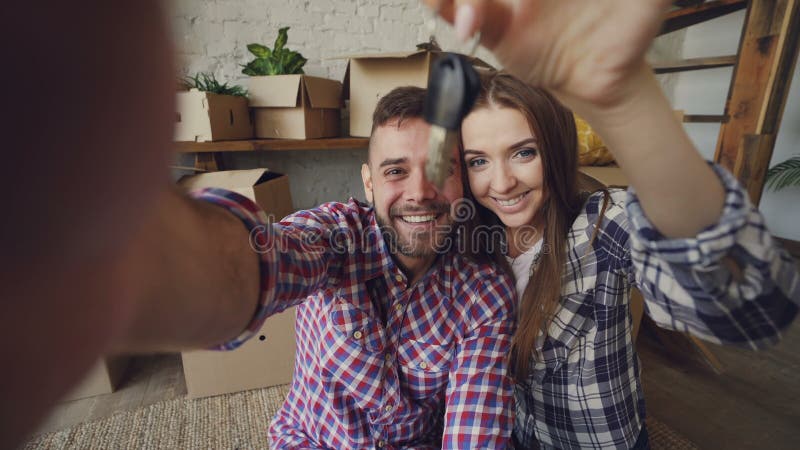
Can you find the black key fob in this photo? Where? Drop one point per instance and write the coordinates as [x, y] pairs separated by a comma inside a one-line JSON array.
[[453, 86]]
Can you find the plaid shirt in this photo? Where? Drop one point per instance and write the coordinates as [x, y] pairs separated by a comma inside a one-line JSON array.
[[380, 363], [584, 390]]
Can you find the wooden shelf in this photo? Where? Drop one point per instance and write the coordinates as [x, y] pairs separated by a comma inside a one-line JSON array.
[[691, 15], [272, 145], [686, 65]]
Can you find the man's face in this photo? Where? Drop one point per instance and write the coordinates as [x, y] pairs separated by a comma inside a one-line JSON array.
[[410, 209]]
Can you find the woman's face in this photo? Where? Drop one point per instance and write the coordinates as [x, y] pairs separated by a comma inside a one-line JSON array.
[[504, 169]]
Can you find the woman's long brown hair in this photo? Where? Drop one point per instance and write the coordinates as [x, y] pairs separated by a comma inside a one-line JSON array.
[[553, 126]]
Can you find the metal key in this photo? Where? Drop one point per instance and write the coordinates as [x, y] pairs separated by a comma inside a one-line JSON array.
[[453, 86]]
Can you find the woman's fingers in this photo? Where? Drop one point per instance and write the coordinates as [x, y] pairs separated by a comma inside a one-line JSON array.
[[469, 17], [445, 8], [491, 17]]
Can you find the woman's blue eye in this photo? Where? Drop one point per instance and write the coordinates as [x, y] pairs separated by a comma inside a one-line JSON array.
[[477, 162], [526, 153]]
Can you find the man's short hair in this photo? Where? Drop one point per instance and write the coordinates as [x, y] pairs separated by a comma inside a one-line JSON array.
[[401, 103], [405, 102]]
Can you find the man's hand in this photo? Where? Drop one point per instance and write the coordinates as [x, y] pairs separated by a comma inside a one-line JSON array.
[[582, 51]]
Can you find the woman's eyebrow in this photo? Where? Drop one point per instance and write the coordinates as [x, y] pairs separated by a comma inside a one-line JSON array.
[[530, 140]]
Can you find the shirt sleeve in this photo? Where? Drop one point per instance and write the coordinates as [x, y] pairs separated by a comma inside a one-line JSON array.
[[296, 255], [479, 410], [730, 284]]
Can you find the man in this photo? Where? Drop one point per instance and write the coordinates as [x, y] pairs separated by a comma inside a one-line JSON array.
[[400, 341]]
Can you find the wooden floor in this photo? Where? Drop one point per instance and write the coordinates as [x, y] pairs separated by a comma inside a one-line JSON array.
[[753, 404]]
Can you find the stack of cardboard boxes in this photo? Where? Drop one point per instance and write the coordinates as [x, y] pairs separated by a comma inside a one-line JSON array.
[[302, 106]]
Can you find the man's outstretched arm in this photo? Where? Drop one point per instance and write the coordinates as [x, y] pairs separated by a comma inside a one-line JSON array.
[[97, 253], [194, 278]]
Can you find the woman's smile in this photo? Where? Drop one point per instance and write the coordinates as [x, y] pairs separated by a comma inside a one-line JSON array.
[[513, 204]]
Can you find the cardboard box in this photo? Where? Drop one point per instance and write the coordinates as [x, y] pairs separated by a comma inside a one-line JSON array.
[[203, 117], [267, 359], [371, 76], [295, 106], [103, 378], [269, 190]]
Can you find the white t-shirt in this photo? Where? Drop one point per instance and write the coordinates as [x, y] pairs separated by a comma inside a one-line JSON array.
[[521, 265]]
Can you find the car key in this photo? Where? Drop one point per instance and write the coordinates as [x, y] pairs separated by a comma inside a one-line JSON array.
[[453, 86]]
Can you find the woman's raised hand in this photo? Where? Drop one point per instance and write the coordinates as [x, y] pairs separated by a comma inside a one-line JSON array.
[[583, 51]]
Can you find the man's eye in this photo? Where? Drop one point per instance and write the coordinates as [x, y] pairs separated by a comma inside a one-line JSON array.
[[393, 172]]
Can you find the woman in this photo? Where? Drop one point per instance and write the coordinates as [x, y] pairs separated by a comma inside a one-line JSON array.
[[575, 257], [685, 235]]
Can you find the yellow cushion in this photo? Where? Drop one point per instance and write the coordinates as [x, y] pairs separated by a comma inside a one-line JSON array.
[[591, 150]]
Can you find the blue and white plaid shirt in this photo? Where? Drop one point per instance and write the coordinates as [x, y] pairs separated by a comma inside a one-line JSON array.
[[584, 389]]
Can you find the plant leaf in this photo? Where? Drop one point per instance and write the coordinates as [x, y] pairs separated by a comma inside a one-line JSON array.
[[784, 174], [294, 63], [207, 82], [260, 51], [280, 41], [248, 70]]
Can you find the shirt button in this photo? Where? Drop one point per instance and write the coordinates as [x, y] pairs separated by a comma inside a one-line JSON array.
[[423, 365], [388, 358], [358, 335], [399, 278], [398, 306], [381, 444], [387, 408]]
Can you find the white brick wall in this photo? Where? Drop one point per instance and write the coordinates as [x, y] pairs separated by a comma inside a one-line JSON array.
[[212, 36]]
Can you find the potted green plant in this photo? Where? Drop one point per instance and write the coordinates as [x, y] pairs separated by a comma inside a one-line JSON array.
[[207, 82], [278, 60], [287, 103], [208, 110]]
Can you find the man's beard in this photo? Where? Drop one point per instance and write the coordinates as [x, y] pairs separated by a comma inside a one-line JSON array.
[[420, 244]]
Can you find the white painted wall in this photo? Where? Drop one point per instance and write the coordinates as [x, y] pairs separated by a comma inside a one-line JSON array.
[[704, 92]]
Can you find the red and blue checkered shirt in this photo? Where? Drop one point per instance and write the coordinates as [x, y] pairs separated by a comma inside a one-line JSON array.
[[380, 363]]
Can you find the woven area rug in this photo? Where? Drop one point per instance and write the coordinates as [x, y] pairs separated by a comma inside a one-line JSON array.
[[233, 421]]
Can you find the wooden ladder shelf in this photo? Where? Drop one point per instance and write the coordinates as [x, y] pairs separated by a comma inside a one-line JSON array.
[[763, 68]]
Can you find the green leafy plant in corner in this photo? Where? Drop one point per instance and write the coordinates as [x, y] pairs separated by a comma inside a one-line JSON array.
[[206, 82], [276, 61], [784, 174]]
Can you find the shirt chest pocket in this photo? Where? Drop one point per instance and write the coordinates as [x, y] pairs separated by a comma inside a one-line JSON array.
[[569, 339], [424, 367], [351, 354], [355, 327]]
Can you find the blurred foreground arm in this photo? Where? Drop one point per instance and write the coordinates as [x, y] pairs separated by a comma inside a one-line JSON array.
[[97, 253]]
